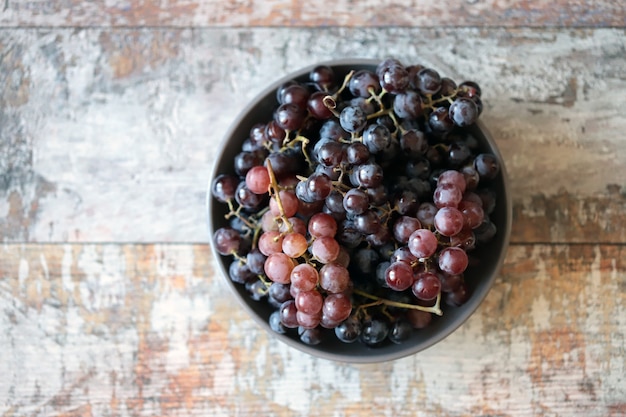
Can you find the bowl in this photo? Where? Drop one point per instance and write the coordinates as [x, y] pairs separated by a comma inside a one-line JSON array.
[[478, 278]]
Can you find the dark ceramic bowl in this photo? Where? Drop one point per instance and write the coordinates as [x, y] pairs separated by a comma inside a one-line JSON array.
[[479, 278]]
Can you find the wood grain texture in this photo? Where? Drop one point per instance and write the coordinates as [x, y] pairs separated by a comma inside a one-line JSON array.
[[289, 13], [149, 330], [110, 135]]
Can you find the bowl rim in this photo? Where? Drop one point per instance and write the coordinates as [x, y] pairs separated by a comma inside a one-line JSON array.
[[377, 356]]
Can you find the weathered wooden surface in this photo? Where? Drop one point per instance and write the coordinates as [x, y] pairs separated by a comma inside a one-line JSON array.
[[280, 13], [109, 135], [146, 330]]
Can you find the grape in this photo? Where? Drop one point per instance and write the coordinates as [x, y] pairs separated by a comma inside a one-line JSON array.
[[279, 292], [426, 214], [353, 119], [439, 120], [469, 89], [227, 240], [453, 260], [322, 224], [288, 312], [297, 224], [309, 302], [256, 289], [414, 143], [376, 138], [244, 161], [357, 153], [294, 94], [349, 330], [325, 249], [240, 273], [453, 178], [403, 254], [422, 243], [458, 153], [463, 112], [401, 331], [334, 278], [374, 331], [394, 78], [355, 201], [487, 166], [406, 203], [223, 187], [311, 336], [408, 105], [428, 81], [319, 186], [276, 324], [317, 106], [426, 286], [449, 221], [458, 296], [308, 321], [289, 202], [271, 242], [258, 180], [486, 231], [399, 276], [328, 152], [368, 175], [447, 195], [278, 267], [289, 116], [323, 77], [473, 214], [403, 227], [367, 222], [304, 277], [294, 245], [449, 282], [363, 83], [255, 261], [337, 307]]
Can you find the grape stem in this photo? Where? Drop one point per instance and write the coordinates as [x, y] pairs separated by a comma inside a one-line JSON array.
[[236, 212], [274, 191], [436, 309]]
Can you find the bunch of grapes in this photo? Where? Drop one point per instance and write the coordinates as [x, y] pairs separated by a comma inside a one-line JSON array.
[[355, 210]]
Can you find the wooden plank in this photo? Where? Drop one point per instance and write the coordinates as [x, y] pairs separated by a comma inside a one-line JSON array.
[[281, 13], [110, 135], [133, 330]]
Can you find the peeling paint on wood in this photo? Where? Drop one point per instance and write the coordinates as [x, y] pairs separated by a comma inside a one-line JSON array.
[[281, 13], [110, 135], [133, 330]]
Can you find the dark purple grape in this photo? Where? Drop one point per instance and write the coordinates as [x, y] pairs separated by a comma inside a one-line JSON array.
[[376, 138], [227, 241], [275, 323], [323, 77], [414, 143], [256, 289], [349, 330], [448, 88], [295, 94], [408, 105], [378, 195], [240, 273], [255, 261], [457, 297], [357, 153], [312, 336], [355, 201], [363, 83], [247, 199], [394, 78], [401, 331], [334, 202], [418, 168], [367, 222], [319, 186], [458, 154], [331, 129], [289, 116], [353, 119], [317, 106], [487, 166], [469, 89], [463, 112], [374, 331], [328, 152], [426, 286], [368, 175], [428, 81], [403, 227], [439, 120], [244, 161], [224, 187]]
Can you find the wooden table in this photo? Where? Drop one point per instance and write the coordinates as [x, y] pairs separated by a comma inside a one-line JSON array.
[[110, 117]]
